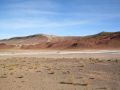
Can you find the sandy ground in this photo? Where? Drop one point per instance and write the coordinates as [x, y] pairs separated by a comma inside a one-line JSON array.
[[60, 70]]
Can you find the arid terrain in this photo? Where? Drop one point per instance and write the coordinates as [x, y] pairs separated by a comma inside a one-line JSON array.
[[47, 62], [59, 70]]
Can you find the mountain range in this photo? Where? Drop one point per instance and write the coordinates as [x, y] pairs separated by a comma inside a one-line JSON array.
[[103, 40]]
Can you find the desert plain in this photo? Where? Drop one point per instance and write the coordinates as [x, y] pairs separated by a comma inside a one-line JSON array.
[[59, 70]]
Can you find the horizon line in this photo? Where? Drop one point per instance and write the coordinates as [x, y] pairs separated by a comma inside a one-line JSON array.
[[20, 36]]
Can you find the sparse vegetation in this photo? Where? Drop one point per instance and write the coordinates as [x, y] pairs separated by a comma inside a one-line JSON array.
[[71, 83], [67, 72]]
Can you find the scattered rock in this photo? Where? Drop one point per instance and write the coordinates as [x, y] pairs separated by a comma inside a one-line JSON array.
[[38, 71], [20, 76], [3, 76], [66, 83], [91, 78], [102, 88], [51, 72]]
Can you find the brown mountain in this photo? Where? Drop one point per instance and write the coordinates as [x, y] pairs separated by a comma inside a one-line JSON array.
[[103, 40]]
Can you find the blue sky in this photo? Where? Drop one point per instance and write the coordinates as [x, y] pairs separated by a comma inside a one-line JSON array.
[[58, 17]]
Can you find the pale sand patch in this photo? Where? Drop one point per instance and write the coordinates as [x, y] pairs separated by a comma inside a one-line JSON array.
[[59, 54]]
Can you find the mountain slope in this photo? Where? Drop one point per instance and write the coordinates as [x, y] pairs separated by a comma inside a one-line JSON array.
[[103, 40]]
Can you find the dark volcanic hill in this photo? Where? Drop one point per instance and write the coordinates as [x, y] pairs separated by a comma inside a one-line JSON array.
[[103, 40]]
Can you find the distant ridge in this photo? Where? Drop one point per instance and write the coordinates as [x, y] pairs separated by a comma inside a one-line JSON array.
[[102, 40]]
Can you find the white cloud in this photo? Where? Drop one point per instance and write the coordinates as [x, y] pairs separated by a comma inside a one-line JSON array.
[[21, 24]]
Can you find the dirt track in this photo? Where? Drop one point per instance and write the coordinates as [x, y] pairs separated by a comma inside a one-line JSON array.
[[67, 54]]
